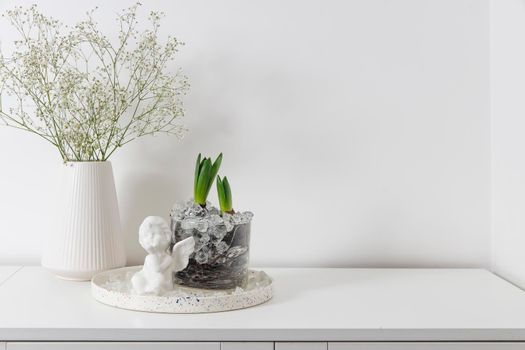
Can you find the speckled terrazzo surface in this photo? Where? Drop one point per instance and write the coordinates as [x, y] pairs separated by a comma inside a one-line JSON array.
[[114, 288]]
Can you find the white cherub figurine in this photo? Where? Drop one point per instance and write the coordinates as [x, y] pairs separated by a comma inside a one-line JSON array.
[[156, 276]]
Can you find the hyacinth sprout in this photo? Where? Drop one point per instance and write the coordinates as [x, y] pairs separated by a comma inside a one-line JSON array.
[[205, 173], [225, 195]]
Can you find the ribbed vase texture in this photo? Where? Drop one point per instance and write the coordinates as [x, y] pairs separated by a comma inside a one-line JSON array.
[[88, 237]]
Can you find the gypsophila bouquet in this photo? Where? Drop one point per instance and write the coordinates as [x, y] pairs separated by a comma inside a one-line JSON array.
[[84, 93]]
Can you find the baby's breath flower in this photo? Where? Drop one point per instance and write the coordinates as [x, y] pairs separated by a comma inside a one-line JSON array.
[[83, 93]]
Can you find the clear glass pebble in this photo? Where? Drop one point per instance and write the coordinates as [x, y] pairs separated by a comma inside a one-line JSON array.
[[177, 211], [205, 238], [218, 231], [194, 210], [202, 225], [222, 247], [215, 219], [201, 257], [189, 223]]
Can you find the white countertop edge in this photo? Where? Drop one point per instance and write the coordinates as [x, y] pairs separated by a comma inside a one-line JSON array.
[[6, 272], [214, 335]]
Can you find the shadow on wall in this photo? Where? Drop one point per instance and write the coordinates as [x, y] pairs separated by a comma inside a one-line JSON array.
[[151, 181], [224, 111], [157, 171]]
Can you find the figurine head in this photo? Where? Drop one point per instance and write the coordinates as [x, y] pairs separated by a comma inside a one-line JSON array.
[[154, 234]]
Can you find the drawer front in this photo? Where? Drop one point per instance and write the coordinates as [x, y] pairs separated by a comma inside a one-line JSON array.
[[246, 346], [300, 346], [426, 346], [111, 346], [2, 346]]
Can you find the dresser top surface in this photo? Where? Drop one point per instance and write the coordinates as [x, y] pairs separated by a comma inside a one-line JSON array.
[[308, 305]]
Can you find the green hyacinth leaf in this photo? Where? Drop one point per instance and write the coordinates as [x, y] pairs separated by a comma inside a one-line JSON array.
[[220, 192], [214, 172], [216, 166], [202, 182], [227, 194], [197, 170]]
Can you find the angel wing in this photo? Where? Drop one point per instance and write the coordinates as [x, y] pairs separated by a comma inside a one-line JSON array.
[[181, 253]]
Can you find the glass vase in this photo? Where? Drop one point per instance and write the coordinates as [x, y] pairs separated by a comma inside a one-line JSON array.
[[222, 249]]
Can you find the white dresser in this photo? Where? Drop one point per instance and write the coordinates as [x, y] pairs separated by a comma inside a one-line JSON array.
[[313, 309]]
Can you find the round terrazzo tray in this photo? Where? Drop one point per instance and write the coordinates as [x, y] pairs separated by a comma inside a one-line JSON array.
[[114, 288]]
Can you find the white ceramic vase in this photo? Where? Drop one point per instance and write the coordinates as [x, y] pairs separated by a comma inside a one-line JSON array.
[[88, 236]]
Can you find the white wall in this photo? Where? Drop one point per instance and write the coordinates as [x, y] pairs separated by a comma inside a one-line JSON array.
[[508, 114], [357, 131]]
